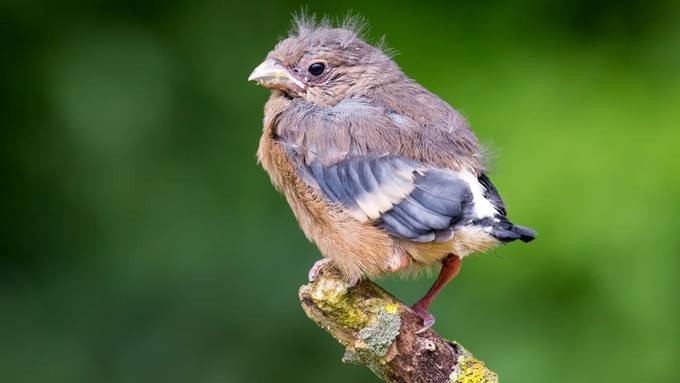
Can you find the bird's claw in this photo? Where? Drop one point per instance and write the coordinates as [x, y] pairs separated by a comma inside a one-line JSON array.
[[314, 271], [428, 319]]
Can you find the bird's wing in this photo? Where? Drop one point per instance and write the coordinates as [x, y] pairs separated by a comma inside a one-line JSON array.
[[406, 198], [491, 194]]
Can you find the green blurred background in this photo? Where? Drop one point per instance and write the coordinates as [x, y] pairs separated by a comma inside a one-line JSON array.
[[140, 241]]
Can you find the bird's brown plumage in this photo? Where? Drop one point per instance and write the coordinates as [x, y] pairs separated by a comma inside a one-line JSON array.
[[365, 105], [380, 173], [363, 112]]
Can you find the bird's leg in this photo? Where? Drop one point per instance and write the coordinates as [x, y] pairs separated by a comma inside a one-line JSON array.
[[449, 270], [314, 271]]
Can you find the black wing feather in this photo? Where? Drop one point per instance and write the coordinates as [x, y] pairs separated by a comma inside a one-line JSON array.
[[491, 193]]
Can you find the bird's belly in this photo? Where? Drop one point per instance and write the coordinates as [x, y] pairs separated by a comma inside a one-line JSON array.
[[358, 249], [466, 240]]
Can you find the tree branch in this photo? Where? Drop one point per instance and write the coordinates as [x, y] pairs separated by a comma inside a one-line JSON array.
[[380, 333]]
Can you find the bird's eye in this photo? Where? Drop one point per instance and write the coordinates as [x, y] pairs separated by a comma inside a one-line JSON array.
[[316, 69]]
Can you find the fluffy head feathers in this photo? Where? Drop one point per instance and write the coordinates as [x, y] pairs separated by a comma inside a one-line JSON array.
[[349, 64]]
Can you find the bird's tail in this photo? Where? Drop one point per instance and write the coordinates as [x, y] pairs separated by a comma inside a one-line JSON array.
[[505, 231]]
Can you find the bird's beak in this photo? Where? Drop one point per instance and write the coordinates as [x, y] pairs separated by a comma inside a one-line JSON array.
[[271, 74]]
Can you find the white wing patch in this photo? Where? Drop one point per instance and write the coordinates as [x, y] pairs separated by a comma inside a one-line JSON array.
[[482, 207]]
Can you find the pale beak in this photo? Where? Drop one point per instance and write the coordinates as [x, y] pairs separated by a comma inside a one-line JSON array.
[[271, 74]]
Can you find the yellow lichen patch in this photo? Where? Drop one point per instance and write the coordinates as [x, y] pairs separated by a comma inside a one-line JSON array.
[[472, 370], [391, 308], [331, 296]]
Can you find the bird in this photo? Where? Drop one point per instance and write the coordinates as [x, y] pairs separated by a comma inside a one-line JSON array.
[[381, 174]]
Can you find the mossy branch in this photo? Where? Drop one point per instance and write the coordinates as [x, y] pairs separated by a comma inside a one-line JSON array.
[[380, 332]]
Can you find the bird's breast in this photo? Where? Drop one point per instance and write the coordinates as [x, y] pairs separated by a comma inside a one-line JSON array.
[[358, 249]]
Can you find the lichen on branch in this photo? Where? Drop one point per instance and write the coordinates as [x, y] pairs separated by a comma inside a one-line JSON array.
[[380, 332]]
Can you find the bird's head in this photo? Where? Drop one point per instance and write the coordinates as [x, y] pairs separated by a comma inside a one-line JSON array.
[[323, 65]]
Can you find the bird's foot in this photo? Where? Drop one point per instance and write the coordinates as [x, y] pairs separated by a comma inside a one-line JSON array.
[[428, 319], [318, 265]]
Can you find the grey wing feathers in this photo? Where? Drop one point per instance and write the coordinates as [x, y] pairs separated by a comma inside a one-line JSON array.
[[406, 198], [437, 202]]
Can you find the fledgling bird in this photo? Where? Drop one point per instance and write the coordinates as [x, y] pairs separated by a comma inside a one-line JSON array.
[[381, 174]]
